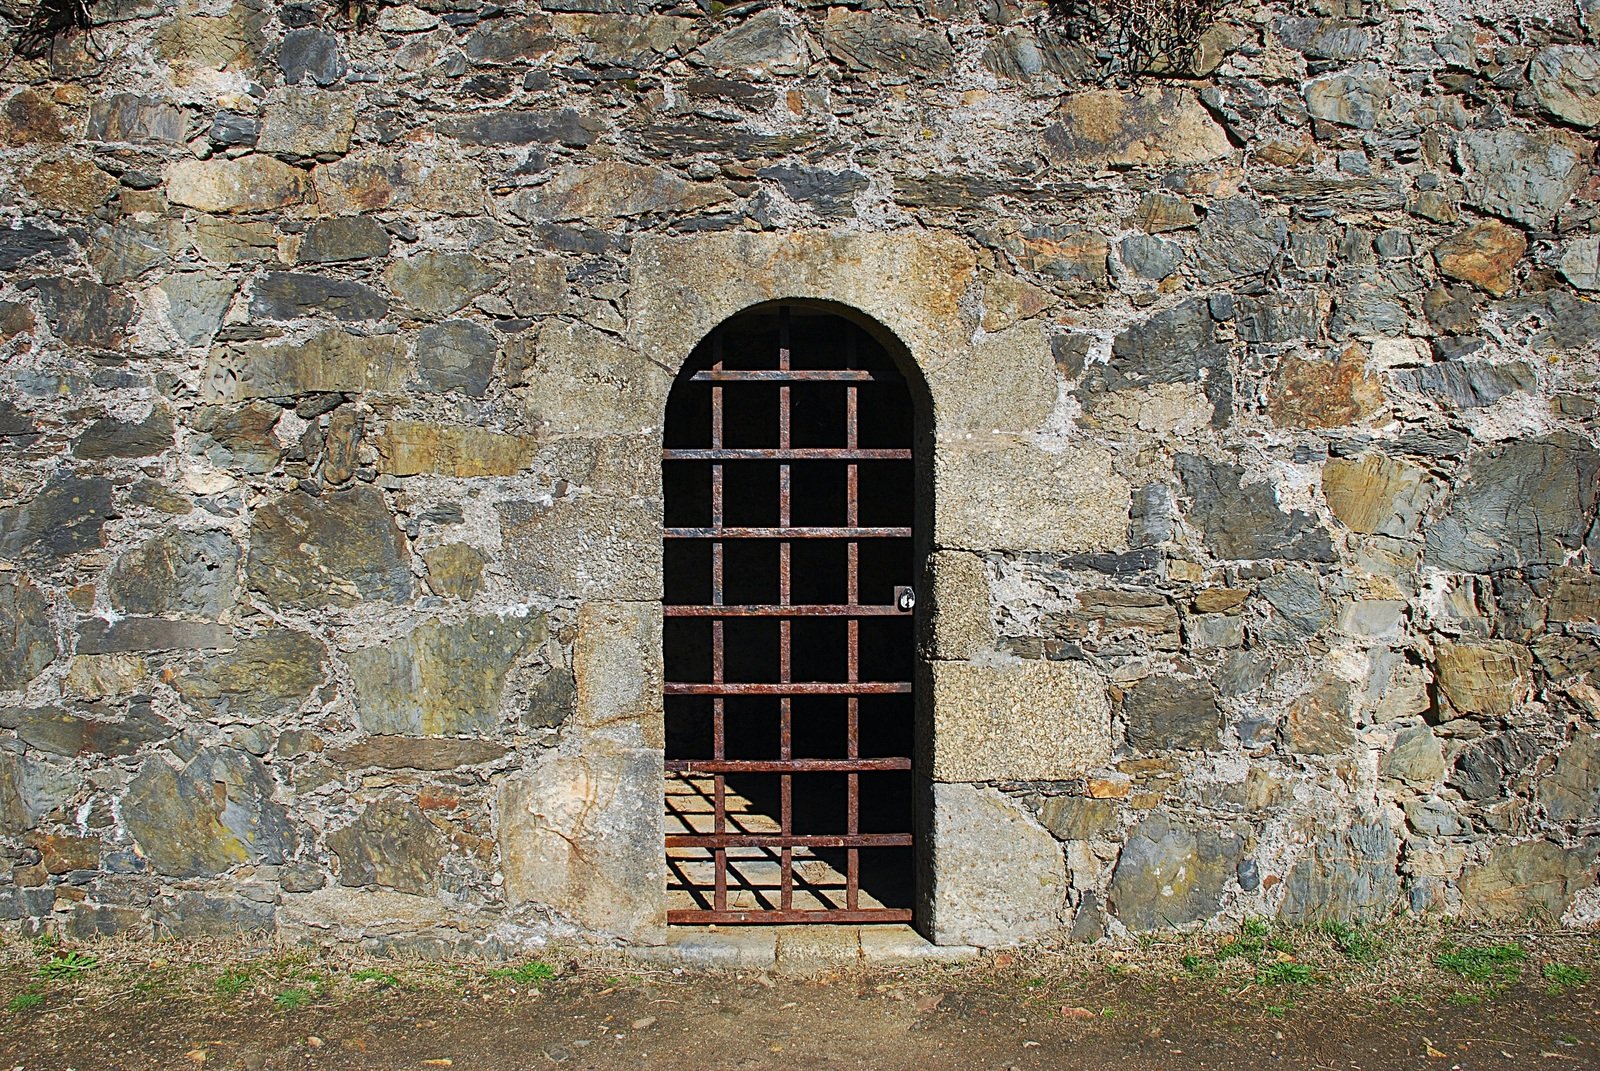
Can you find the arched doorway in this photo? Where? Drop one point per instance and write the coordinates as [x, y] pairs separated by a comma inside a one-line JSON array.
[[788, 644]]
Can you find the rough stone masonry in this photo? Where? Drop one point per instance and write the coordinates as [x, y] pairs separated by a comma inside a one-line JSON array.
[[1264, 452]]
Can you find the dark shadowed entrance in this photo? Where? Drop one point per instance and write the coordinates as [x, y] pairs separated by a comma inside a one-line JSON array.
[[788, 643]]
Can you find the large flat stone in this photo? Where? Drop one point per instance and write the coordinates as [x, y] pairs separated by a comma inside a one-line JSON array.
[[248, 184], [340, 549], [442, 678], [266, 676], [1172, 872], [1351, 875], [960, 623], [1007, 494], [575, 380], [1028, 720], [616, 663], [176, 572], [590, 547], [215, 813], [1000, 877], [1535, 877], [1156, 126], [410, 447], [27, 635], [331, 360], [581, 835]]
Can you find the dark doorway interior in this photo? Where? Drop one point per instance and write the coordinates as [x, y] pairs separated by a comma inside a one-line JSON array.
[[788, 642]]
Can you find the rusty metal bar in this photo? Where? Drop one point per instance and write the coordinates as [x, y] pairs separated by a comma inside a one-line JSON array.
[[715, 766], [793, 688], [719, 532], [818, 453], [719, 735], [804, 609], [784, 374], [785, 625], [852, 431], [778, 840], [687, 917]]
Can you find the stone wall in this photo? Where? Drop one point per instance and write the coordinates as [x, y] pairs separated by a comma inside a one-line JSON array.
[[1264, 452]]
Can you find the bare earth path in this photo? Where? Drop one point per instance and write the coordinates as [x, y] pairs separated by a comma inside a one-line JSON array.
[[1196, 1005]]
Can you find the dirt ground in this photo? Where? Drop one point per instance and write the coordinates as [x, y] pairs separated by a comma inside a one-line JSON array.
[[1367, 999]]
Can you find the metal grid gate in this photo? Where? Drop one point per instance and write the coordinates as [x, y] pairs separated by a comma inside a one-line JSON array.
[[721, 537]]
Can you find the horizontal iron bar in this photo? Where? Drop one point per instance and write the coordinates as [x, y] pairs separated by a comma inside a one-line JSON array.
[[733, 766], [810, 453], [778, 840], [793, 375], [793, 688], [797, 610], [788, 533], [691, 917]]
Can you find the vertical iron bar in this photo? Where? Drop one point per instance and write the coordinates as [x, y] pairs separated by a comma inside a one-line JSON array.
[[785, 625], [853, 660], [719, 806]]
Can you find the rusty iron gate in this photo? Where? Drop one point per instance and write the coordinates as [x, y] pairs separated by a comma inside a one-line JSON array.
[[788, 626]]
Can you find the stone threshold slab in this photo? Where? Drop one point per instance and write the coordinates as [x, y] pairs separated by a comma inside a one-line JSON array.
[[797, 950]]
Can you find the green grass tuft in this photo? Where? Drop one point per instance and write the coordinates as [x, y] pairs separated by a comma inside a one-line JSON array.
[[232, 983], [25, 1001], [1286, 973], [293, 999], [530, 973], [1562, 977], [68, 966], [1487, 963]]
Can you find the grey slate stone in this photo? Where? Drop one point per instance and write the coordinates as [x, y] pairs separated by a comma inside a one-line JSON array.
[[282, 295], [1521, 503], [27, 635], [1179, 345], [1350, 875], [1244, 522], [310, 55], [831, 193], [1467, 384], [1172, 712], [1237, 240], [1523, 177], [564, 126], [1172, 872], [110, 438], [211, 815], [331, 241], [338, 550], [1149, 257], [176, 572], [66, 517], [21, 244], [134, 118], [391, 844], [456, 355]]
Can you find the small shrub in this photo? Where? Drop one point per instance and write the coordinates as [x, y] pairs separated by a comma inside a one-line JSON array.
[[25, 1002], [68, 966]]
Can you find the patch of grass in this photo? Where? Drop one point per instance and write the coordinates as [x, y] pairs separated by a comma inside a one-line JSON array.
[[68, 966], [232, 983], [1286, 973], [1278, 1011], [1255, 927], [1246, 947], [1496, 963], [372, 974], [25, 1001], [1463, 1000], [1563, 976], [530, 973], [1355, 942], [293, 999], [1199, 966]]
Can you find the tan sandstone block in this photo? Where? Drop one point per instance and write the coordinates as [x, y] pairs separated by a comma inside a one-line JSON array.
[[1029, 720], [1007, 494]]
